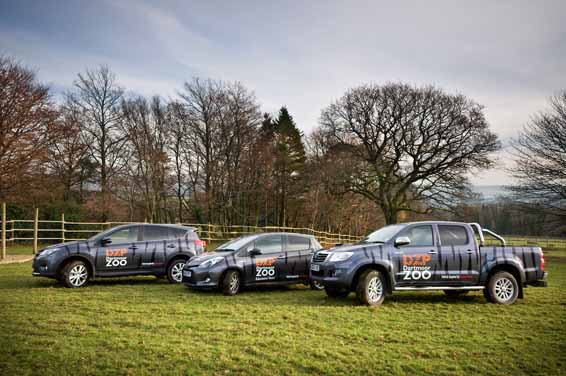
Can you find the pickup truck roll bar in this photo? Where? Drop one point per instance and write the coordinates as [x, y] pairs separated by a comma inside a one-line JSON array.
[[480, 232]]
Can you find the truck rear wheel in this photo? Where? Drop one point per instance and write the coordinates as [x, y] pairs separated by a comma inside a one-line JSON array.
[[502, 288], [371, 288], [333, 292]]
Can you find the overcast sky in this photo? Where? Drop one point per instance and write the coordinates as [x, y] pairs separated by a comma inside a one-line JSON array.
[[510, 56]]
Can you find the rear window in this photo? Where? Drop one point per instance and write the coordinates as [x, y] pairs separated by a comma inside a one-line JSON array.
[[298, 243], [453, 235], [155, 233]]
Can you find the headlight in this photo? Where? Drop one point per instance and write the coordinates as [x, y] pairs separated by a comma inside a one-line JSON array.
[[48, 251], [211, 262], [339, 256]]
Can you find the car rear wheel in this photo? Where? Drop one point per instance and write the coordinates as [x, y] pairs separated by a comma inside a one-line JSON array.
[[175, 271], [75, 274], [334, 292], [502, 288], [371, 288], [231, 283], [315, 285]]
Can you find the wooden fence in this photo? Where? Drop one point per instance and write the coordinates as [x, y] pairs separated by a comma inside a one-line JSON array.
[[51, 231]]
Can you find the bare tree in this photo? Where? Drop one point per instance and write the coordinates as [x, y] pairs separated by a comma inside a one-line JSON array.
[[412, 147], [27, 118], [97, 98], [145, 124], [540, 167], [68, 156]]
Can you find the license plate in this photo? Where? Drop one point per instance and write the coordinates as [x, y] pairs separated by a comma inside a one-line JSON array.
[[187, 273], [315, 268]]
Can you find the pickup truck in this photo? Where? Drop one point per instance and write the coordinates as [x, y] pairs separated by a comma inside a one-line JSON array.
[[432, 255]]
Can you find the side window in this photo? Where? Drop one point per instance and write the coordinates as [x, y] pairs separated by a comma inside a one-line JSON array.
[[419, 235], [453, 235], [298, 243], [155, 233], [126, 235], [175, 233], [270, 244]]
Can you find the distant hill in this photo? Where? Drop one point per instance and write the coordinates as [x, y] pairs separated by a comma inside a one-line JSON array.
[[490, 193]]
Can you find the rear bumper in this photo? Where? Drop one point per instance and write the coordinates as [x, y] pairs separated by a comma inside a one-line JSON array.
[[543, 282]]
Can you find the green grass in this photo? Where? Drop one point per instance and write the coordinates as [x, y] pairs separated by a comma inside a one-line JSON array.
[[146, 326]]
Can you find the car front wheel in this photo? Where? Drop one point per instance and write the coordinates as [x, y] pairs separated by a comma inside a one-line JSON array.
[[502, 288], [371, 288], [231, 283], [175, 271], [75, 274]]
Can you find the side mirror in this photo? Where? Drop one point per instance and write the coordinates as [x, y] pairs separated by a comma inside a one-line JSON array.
[[105, 241], [254, 252], [401, 241]]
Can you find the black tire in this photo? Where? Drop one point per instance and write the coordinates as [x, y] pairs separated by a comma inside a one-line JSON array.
[[75, 274], [334, 292], [231, 283], [502, 288], [317, 286], [371, 288], [455, 293], [175, 270]]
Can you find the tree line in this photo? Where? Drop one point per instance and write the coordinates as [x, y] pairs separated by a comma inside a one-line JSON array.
[[380, 154]]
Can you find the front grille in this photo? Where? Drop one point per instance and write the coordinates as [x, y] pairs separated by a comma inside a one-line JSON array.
[[320, 256]]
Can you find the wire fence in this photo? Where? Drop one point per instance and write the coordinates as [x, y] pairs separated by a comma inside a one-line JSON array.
[[52, 231]]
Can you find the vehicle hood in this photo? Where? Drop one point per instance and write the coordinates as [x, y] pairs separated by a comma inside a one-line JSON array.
[[207, 256], [352, 247], [63, 246]]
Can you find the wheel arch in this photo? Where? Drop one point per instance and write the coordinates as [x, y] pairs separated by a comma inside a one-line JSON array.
[[72, 258], [235, 268], [175, 258], [375, 266], [514, 270]]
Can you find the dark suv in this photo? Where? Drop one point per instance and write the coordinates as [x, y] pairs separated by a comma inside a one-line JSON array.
[[260, 259], [134, 249]]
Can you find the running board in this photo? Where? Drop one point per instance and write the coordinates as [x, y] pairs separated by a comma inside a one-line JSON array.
[[439, 288]]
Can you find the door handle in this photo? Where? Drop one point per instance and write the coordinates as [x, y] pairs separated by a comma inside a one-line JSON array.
[[133, 247], [171, 246], [469, 251], [280, 257], [432, 252]]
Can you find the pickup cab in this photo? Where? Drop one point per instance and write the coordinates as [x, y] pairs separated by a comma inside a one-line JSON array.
[[432, 255]]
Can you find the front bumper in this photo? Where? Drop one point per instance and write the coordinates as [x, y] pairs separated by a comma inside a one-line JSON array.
[[203, 278], [43, 267], [331, 274], [543, 282]]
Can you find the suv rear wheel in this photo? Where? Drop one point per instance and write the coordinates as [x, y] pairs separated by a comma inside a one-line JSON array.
[[371, 288], [316, 285], [502, 288], [74, 274], [175, 271]]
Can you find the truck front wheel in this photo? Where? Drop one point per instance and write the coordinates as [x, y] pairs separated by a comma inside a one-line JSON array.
[[502, 288], [371, 288]]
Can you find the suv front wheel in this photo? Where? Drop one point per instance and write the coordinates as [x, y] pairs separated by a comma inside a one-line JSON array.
[[371, 288]]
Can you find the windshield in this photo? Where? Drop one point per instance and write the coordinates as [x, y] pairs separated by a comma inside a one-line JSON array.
[[383, 234], [100, 235], [235, 244]]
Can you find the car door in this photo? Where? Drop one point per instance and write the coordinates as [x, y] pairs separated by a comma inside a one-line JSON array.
[[297, 257], [156, 247], [417, 261], [268, 265], [459, 256], [120, 253]]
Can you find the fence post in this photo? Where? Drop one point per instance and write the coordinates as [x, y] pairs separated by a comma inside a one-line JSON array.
[[35, 230], [62, 227], [3, 231]]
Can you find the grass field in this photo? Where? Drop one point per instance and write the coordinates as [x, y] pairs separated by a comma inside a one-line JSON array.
[[147, 326]]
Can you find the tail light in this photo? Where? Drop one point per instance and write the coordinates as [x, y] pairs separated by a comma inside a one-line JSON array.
[[201, 243], [541, 260]]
